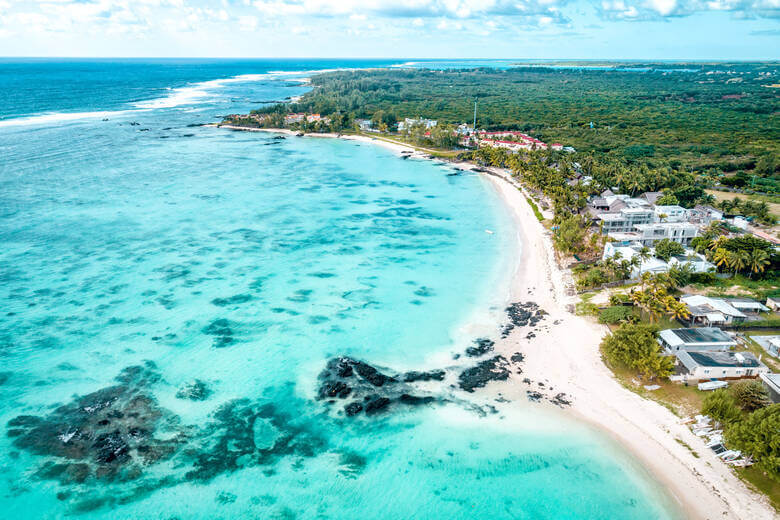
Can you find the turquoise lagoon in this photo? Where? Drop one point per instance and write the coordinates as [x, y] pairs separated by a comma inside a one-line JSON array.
[[245, 262]]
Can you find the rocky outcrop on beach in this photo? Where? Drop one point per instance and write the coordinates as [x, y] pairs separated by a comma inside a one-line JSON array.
[[365, 389], [521, 315]]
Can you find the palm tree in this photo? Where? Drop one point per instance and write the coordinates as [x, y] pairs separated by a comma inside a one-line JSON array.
[[718, 243], [758, 259], [677, 310], [739, 260], [722, 258]]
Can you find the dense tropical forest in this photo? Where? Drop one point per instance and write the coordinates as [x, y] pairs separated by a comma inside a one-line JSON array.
[[719, 120]]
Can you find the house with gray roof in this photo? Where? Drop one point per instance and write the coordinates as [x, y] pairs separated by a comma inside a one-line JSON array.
[[698, 366], [699, 339]]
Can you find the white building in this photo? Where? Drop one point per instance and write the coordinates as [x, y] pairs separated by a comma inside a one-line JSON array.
[[708, 365], [769, 343], [626, 251], [696, 262], [711, 311], [772, 383], [625, 220], [670, 213], [364, 124], [705, 215], [680, 232], [408, 123], [693, 340]]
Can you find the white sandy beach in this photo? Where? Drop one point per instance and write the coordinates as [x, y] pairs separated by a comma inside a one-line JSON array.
[[566, 357]]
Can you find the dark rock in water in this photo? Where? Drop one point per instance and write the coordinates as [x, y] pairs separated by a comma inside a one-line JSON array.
[[279, 137], [416, 400], [494, 369], [231, 300], [375, 404], [220, 328], [371, 374], [225, 498], [481, 347], [431, 375], [195, 390], [237, 437], [105, 434], [334, 389], [353, 409], [517, 357], [4, 377], [110, 447]]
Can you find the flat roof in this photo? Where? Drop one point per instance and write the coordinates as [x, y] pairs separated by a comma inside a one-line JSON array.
[[702, 335], [725, 359]]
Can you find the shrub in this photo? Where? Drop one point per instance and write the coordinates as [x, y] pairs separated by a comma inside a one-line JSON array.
[[721, 406], [634, 345], [616, 314], [666, 248], [750, 394], [759, 436]]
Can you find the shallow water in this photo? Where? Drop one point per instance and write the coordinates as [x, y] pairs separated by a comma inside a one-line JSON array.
[[245, 262]]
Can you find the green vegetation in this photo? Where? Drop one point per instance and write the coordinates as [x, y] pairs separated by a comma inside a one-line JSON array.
[[654, 298], [694, 120], [617, 314], [750, 422], [535, 208], [667, 248], [759, 210], [635, 346], [742, 254]]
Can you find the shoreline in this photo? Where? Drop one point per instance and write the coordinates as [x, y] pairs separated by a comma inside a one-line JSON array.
[[567, 357]]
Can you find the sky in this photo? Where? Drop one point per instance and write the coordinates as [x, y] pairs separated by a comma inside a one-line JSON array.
[[408, 29]]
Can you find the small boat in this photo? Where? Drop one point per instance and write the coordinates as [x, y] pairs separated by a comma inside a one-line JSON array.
[[712, 385], [488, 232]]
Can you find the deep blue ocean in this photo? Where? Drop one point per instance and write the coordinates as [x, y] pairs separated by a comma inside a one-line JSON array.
[[170, 292]]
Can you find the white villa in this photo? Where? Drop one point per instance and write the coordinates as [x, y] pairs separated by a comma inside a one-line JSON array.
[[408, 123], [693, 340], [708, 365], [670, 213], [696, 262]]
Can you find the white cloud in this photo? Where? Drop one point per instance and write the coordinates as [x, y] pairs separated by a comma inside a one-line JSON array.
[[660, 9], [247, 23]]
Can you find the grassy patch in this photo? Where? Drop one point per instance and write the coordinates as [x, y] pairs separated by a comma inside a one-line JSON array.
[[772, 200], [679, 399], [739, 285], [534, 207], [761, 482], [687, 447], [584, 307]]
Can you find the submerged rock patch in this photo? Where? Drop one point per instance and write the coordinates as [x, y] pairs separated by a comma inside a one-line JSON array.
[[231, 300], [106, 435]]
